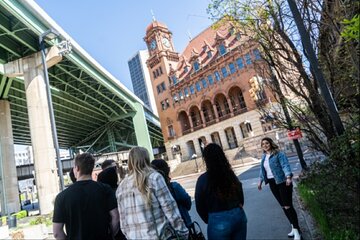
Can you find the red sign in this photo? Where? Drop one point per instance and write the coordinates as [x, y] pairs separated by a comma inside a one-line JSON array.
[[294, 134]]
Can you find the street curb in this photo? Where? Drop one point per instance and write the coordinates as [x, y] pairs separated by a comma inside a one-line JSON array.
[[307, 224]]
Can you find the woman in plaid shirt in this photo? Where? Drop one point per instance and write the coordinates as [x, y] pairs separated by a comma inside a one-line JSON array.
[[145, 204]]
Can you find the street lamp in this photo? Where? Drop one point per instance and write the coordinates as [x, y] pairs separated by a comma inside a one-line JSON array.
[[52, 34]]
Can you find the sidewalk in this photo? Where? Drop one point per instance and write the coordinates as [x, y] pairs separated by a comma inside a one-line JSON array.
[[266, 219]]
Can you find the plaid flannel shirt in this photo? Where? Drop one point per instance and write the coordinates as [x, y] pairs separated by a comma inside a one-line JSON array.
[[137, 219]]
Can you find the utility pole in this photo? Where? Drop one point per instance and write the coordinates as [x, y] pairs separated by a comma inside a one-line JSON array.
[[288, 119], [319, 77]]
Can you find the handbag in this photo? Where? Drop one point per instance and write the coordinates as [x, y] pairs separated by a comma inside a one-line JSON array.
[[168, 232], [195, 232]]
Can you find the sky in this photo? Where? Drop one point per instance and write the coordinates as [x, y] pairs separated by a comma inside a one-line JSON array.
[[112, 31]]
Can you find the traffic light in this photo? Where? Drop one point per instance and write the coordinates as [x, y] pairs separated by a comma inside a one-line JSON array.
[[254, 83], [253, 94]]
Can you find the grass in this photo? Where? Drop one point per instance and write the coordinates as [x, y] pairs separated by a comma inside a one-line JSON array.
[[318, 213]]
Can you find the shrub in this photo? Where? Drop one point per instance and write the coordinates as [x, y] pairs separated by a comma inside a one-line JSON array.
[[331, 189]]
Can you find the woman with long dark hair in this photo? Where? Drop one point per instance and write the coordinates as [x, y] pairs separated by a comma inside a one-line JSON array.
[[275, 170], [219, 197]]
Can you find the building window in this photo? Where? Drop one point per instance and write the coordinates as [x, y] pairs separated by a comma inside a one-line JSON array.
[[232, 68], [174, 79], [222, 49], [181, 95], [248, 126], [217, 76], [257, 55], [241, 100], [154, 74], [171, 131], [186, 92], [204, 83], [165, 104], [218, 109], [157, 72], [160, 69], [186, 69], [192, 89], [224, 72], [196, 66], [163, 86], [238, 36], [209, 54], [210, 79], [175, 98], [232, 31], [198, 86], [248, 59], [240, 63]]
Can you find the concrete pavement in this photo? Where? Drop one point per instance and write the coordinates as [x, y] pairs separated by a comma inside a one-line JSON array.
[[266, 219]]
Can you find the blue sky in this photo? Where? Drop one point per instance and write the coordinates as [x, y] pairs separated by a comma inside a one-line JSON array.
[[112, 31]]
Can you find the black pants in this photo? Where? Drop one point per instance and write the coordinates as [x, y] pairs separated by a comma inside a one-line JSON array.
[[283, 195]]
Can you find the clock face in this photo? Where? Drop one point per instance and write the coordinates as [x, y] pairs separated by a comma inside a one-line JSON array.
[[166, 42], [153, 44]]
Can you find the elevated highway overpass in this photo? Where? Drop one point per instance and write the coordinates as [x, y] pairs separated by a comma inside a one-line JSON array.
[[93, 111]]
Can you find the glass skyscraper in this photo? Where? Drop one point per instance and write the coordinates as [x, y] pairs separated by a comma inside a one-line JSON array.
[[140, 79]]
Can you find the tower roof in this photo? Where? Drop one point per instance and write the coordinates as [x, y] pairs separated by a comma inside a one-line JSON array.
[[155, 24]]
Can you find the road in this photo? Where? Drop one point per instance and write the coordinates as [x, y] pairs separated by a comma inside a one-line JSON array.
[[266, 219]]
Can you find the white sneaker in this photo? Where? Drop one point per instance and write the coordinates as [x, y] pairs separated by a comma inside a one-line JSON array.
[[291, 234], [297, 235]]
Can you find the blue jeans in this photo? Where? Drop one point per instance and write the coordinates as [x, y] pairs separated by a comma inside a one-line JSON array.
[[230, 224]]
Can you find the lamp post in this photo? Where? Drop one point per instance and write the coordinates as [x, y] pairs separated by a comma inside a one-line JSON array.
[[51, 34]]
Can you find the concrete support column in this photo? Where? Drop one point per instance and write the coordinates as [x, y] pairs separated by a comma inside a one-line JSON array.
[[238, 134], [168, 151], [197, 147], [47, 181], [9, 190], [224, 140], [202, 118], [231, 108], [216, 113], [185, 151], [141, 129], [208, 138]]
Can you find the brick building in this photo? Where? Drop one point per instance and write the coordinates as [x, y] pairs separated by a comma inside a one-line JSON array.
[[208, 92]]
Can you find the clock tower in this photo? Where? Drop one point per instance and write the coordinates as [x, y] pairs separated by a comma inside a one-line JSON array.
[[161, 63]]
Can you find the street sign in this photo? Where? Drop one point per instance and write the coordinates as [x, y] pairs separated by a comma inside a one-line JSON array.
[[294, 134]]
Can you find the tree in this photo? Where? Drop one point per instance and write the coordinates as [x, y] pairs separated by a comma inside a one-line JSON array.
[[270, 23]]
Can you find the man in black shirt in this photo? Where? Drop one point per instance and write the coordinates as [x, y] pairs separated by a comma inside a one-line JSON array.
[[87, 208]]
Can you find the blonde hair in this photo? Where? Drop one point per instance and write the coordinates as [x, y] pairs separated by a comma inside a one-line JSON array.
[[139, 165]]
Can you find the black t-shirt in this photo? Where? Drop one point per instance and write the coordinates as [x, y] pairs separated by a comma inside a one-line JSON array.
[[84, 209]]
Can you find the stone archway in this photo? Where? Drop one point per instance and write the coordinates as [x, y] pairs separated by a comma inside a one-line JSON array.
[[237, 100], [195, 117], [222, 105], [184, 121], [208, 112]]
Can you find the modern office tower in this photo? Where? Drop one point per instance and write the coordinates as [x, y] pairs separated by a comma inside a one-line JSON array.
[[140, 79]]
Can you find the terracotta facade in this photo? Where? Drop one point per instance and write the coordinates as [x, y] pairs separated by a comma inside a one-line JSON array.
[[207, 93]]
